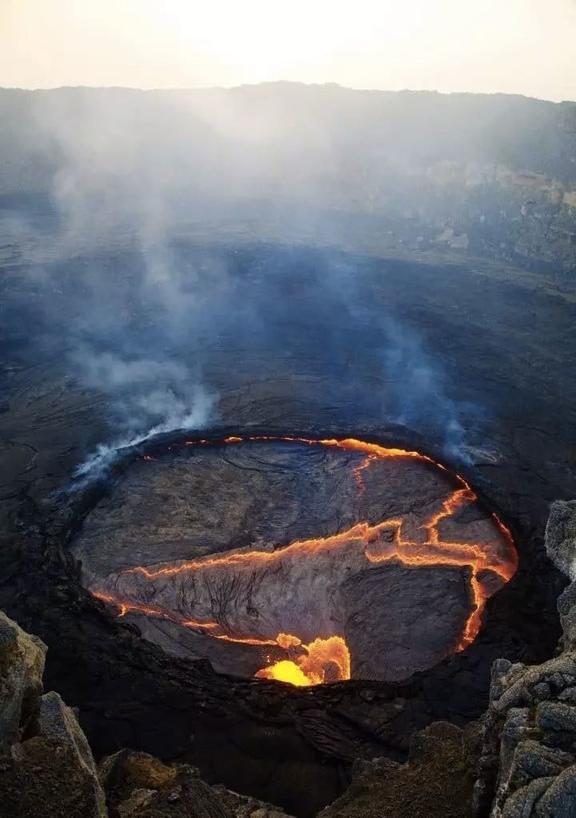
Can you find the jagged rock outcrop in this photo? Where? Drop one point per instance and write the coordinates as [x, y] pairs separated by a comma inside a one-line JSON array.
[[561, 536], [528, 763], [47, 769], [46, 765], [21, 667], [138, 785], [438, 779]]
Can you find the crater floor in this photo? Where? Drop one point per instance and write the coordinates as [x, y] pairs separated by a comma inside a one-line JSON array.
[[307, 561]]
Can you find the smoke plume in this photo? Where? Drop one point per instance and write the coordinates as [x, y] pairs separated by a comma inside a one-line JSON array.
[[136, 182]]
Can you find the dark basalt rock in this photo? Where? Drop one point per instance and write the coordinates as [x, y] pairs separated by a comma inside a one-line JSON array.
[[46, 765], [528, 764], [437, 780], [404, 618], [21, 667], [560, 796], [138, 785]]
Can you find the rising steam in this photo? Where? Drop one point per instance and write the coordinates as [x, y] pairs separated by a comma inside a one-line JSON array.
[[142, 175], [418, 392], [147, 397]]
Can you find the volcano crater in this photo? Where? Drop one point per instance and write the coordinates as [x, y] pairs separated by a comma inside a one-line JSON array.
[[297, 559]]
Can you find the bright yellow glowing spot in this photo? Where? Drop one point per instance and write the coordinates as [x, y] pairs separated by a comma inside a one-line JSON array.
[[286, 671], [323, 660]]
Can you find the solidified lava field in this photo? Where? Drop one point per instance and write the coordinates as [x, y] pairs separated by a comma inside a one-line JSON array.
[[301, 560]]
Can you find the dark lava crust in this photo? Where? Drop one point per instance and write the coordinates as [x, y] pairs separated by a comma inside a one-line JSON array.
[[269, 497], [290, 746]]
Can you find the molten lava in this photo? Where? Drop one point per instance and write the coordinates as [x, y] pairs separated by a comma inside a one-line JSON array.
[[328, 659], [323, 660]]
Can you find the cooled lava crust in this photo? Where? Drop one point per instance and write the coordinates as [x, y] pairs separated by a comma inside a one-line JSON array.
[[304, 560]]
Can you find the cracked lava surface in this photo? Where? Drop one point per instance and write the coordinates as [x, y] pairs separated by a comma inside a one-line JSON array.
[[396, 578]]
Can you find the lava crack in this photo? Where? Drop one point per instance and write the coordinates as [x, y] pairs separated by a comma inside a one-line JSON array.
[[326, 657]]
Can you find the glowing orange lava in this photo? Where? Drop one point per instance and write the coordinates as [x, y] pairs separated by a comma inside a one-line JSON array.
[[328, 659], [323, 660]]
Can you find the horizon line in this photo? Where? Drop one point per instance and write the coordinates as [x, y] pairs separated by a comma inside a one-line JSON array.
[[323, 85]]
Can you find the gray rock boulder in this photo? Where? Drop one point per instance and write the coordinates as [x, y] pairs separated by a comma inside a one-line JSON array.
[[522, 803], [559, 800], [58, 725], [46, 766], [556, 717], [529, 736], [138, 784], [437, 779], [528, 763], [561, 536], [51, 773], [21, 666], [533, 760]]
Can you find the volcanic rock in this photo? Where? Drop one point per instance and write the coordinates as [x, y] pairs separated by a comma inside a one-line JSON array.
[[561, 548], [403, 618], [138, 784], [127, 770], [21, 668], [522, 803], [43, 777], [556, 717], [531, 760], [528, 764], [189, 795], [46, 765], [186, 795], [559, 800], [561, 536], [57, 724], [438, 779]]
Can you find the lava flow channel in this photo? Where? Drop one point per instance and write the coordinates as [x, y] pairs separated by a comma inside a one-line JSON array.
[[327, 657]]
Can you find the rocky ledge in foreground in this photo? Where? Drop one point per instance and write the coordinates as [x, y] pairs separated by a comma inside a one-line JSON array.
[[47, 769], [528, 763]]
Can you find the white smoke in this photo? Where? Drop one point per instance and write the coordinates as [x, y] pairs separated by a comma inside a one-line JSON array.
[[418, 396], [147, 394], [138, 174], [149, 397]]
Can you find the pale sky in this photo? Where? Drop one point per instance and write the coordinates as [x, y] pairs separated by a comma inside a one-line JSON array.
[[513, 46]]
